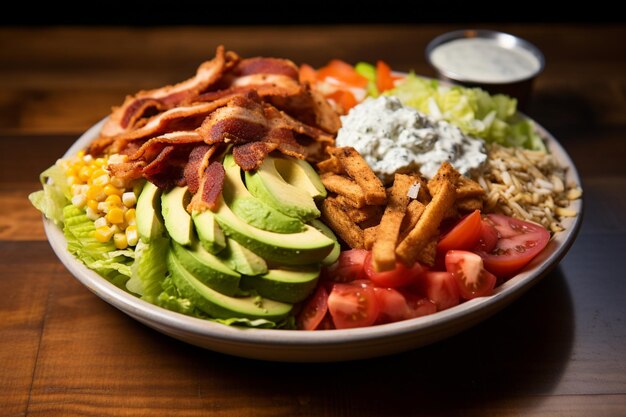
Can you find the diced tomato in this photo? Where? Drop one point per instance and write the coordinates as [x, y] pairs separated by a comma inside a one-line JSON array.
[[518, 243], [464, 235], [314, 311], [392, 304], [488, 237], [442, 289], [472, 278], [342, 72], [307, 74], [399, 277], [384, 78], [345, 99], [349, 266], [353, 305]]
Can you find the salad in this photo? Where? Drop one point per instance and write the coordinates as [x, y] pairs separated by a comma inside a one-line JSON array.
[[225, 197]]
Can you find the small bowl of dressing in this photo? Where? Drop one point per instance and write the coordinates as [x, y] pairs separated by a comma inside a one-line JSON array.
[[494, 61]]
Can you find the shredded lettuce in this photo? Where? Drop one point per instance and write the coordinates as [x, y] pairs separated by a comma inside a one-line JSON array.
[[54, 196], [103, 258], [149, 269], [493, 118]]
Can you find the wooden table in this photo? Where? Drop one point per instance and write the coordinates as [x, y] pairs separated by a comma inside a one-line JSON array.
[[558, 351]]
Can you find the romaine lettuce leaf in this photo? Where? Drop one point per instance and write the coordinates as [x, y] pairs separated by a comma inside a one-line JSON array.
[[54, 196], [149, 269]]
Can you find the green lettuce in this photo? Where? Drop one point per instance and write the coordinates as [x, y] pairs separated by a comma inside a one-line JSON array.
[[493, 118], [54, 195], [103, 258], [149, 269]]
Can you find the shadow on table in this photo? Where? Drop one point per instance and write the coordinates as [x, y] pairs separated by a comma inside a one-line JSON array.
[[522, 351]]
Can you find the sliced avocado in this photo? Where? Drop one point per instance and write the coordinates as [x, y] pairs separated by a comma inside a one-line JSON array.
[[207, 268], [300, 174], [148, 209], [218, 305], [286, 285], [211, 236], [266, 184], [177, 220], [243, 260], [306, 247], [252, 210], [334, 254]]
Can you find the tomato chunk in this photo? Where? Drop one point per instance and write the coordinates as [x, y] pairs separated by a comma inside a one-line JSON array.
[[399, 277], [384, 78], [441, 289], [342, 72], [349, 266], [314, 311], [464, 235], [518, 243], [471, 277], [353, 305]]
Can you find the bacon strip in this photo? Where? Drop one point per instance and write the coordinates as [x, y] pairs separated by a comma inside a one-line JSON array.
[[250, 156], [262, 65], [211, 185], [198, 161], [135, 107]]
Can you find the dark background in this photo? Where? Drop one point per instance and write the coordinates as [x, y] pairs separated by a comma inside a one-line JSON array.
[[211, 12]]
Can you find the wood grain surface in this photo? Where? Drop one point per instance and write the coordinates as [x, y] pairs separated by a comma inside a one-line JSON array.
[[560, 350]]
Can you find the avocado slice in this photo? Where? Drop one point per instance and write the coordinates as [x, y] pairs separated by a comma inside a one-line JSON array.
[[334, 254], [300, 174], [243, 260], [286, 285], [266, 184], [252, 210], [148, 209], [211, 236], [177, 220], [306, 247], [207, 268], [218, 305]]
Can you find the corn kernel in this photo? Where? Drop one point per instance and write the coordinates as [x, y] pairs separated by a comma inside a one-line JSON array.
[[79, 200], [114, 200], [102, 180], [117, 182], [129, 198], [103, 234], [132, 237], [130, 215], [80, 153], [100, 162], [110, 189], [96, 192], [91, 214], [85, 173], [92, 204], [115, 216], [120, 241], [100, 222], [71, 180], [88, 158]]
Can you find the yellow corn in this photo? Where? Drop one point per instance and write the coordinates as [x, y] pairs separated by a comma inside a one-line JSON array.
[[110, 189], [96, 192], [119, 239], [103, 234], [129, 215], [85, 173], [114, 200], [92, 204], [132, 236], [115, 216]]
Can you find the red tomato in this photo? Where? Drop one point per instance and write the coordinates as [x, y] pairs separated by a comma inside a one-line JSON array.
[[384, 78], [393, 306], [488, 237], [399, 277], [441, 289], [472, 278], [343, 72], [307, 74], [518, 243], [464, 235], [314, 311], [343, 98], [349, 266], [353, 305]]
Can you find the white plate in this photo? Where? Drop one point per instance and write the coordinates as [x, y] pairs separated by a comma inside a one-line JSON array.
[[329, 345]]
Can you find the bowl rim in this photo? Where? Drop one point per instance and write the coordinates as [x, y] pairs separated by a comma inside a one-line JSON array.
[[503, 39], [177, 322]]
